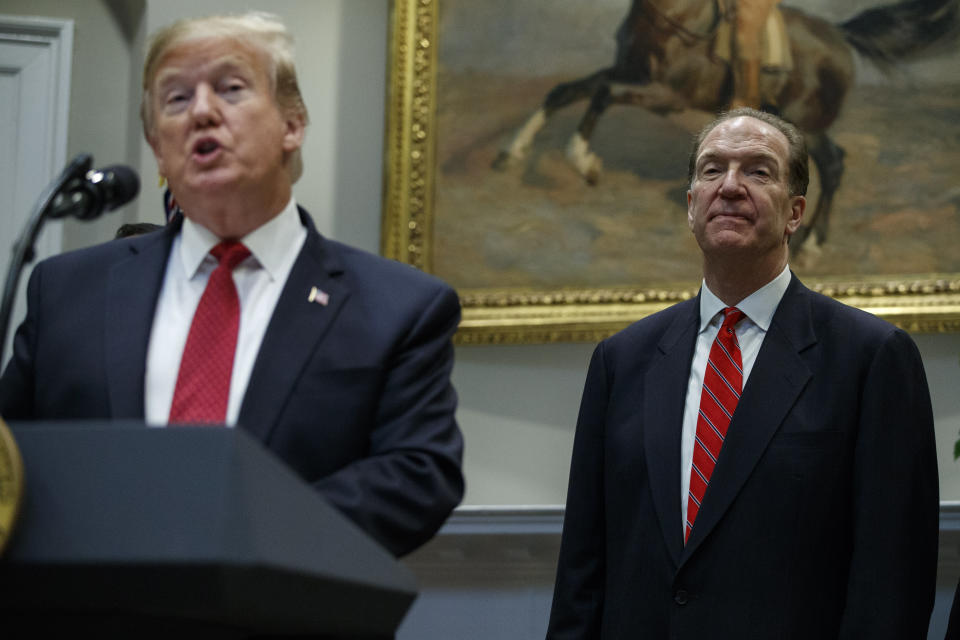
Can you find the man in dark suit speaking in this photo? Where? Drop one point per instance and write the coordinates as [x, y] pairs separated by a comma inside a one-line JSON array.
[[757, 462], [239, 312]]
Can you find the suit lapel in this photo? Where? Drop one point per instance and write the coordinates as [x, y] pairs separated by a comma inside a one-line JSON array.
[[132, 291], [665, 387], [298, 324], [778, 376]]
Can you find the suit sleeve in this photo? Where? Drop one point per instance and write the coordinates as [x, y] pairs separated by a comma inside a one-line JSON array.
[[17, 382], [892, 579], [578, 595], [410, 481]]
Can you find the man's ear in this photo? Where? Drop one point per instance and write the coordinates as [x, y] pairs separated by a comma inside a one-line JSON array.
[[296, 129], [798, 204], [155, 146]]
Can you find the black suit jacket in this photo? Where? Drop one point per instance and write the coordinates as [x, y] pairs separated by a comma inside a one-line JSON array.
[[821, 517], [354, 395]]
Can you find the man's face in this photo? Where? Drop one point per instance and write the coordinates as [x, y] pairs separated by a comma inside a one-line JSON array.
[[739, 200], [217, 129]]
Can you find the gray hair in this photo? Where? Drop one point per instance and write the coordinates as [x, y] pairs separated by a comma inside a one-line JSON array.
[[798, 173]]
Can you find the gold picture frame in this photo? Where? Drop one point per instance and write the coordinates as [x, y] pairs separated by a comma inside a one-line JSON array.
[[495, 315]]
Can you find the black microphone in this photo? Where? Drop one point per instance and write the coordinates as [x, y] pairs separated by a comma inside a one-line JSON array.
[[76, 191], [98, 191]]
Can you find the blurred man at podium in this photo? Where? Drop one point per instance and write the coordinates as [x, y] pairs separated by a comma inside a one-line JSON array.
[[239, 313]]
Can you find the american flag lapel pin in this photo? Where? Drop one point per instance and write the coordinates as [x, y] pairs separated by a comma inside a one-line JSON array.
[[319, 296]]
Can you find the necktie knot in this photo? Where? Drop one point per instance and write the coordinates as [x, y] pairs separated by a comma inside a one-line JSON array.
[[229, 254], [731, 316]]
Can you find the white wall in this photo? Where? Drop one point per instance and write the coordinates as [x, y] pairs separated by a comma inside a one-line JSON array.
[[99, 91], [518, 407], [518, 404], [941, 359]]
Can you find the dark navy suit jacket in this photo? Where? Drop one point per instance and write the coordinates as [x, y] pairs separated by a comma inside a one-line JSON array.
[[354, 395], [821, 517]]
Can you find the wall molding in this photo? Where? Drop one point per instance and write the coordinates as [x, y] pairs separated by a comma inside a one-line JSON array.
[[521, 543]]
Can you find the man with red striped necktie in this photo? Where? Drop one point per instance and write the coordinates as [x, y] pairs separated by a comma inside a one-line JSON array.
[[758, 462], [238, 313]]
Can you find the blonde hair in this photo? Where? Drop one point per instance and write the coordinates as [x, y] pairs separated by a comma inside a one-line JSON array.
[[264, 31]]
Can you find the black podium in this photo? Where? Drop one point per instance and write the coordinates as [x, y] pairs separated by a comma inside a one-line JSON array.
[[130, 531]]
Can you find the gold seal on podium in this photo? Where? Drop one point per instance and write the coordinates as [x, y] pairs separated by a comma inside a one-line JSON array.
[[11, 484]]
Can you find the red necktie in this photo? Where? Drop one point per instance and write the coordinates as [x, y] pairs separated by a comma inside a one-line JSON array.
[[722, 383], [203, 384]]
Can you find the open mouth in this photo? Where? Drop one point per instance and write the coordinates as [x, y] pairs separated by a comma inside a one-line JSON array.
[[206, 147]]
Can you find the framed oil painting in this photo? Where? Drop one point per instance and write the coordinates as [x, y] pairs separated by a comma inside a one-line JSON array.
[[536, 155]]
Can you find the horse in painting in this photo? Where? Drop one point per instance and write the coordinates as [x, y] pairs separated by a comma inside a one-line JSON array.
[[665, 62]]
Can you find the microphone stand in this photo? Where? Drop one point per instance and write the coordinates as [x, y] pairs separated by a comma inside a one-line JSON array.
[[11, 461], [23, 249]]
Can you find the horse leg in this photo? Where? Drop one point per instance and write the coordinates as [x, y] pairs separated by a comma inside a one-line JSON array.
[[557, 98], [655, 97], [828, 157], [589, 164]]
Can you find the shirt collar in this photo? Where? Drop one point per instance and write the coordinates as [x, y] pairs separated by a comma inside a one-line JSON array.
[[759, 306], [269, 243]]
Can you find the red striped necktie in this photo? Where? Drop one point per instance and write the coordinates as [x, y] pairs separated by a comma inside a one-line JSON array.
[[722, 383], [203, 383]]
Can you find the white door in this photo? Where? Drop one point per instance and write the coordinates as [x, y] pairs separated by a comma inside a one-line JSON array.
[[34, 104]]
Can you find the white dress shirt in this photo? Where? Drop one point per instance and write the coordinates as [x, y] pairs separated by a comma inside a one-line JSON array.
[[759, 308], [260, 279]]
